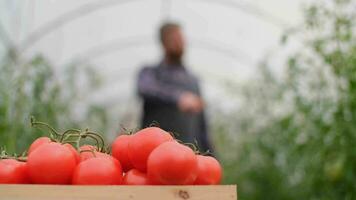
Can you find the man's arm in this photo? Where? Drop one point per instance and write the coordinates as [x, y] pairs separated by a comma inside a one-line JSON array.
[[150, 88]]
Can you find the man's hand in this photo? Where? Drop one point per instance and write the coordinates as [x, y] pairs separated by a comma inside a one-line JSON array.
[[189, 102]]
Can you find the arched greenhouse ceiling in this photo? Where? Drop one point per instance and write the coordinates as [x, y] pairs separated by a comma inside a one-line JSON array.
[[226, 38]]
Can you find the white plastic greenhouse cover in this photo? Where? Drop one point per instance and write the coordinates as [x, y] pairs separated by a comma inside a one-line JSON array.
[[226, 38]]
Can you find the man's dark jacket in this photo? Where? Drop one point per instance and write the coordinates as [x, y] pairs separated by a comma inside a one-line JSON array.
[[160, 87]]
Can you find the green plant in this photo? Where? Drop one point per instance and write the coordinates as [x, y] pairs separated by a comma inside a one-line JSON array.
[[294, 135], [33, 87]]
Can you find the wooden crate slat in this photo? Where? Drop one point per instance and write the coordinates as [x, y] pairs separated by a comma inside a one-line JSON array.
[[51, 192]]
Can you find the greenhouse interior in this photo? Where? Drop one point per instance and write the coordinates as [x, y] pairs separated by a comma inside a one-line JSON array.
[[253, 94]]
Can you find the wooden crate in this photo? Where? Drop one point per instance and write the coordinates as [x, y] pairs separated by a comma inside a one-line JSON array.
[[51, 192]]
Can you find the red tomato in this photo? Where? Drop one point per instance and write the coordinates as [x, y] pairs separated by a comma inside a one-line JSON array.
[[74, 152], [209, 171], [143, 143], [98, 171], [135, 177], [120, 151], [38, 142], [90, 152], [51, 163], [172, 163], [13, 172]]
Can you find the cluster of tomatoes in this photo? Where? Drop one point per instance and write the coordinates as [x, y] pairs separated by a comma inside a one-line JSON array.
[[151, 156]]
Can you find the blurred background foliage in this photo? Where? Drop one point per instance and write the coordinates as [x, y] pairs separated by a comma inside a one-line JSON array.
[[294, 136], [31, 87]]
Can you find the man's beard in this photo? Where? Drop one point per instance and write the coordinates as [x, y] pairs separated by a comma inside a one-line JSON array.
[[175, 57]]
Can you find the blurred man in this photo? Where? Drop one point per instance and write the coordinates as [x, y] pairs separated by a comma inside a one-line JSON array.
[[171, 94]]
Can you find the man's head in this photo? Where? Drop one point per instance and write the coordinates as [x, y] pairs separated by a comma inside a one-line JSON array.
[[172, 40]]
